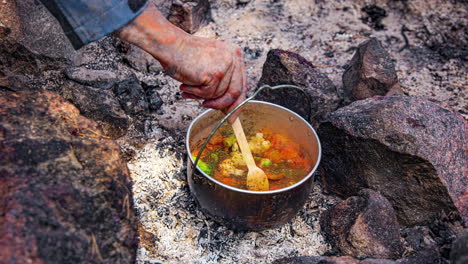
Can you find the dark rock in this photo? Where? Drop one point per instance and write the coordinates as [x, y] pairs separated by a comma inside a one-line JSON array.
[[99, 105], [141, 60], [363, 226], [371, 73], [19, 66], [410, 150], [445, 229], [42, 33], [66, 192], [284, 67], [423, 256], [374, 16], [190, 15], [419, 238], [459, 253], [131, 96], [95, 78]]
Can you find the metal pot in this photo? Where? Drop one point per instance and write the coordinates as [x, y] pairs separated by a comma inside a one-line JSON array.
[[252, 210]]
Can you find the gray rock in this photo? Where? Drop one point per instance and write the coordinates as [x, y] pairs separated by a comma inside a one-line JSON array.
[[363, 226], [164, 6], [99, 105], [95, 78], [284, 67], [371, 73], [410, 150], [131, 96], [190, 15], [459, 252], [66, 191], [42, 33]]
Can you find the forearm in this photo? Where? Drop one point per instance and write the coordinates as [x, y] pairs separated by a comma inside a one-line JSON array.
[[152, 32]]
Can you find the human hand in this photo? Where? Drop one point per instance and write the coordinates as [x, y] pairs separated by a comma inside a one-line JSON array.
[[208, 69], [211, 70]]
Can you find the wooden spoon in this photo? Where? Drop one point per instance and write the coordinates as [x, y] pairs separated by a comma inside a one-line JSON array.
[[256, 177]]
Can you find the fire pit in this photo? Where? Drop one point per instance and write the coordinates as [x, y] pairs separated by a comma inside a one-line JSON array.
[[244, 209]]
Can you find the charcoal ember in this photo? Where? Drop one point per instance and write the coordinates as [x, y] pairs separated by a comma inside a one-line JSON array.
[[131, 96], [66, 192], [363, 226], [154, 100], [410, 150], [41, 32], [99, 105], [374, 17], [96, 78], [371, 73], [141, 60], [284, 67], [459, 252], [190, 15]]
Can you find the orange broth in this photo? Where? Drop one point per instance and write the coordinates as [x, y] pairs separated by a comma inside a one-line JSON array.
[[288, 164]]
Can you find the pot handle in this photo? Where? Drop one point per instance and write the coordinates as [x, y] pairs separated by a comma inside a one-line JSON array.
[[282, 86]]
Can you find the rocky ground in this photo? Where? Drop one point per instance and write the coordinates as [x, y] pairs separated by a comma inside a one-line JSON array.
[[126, 92]]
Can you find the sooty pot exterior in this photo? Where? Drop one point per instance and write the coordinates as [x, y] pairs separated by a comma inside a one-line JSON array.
[[246, 211]]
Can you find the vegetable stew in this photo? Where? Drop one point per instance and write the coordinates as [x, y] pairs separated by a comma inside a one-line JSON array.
[[283, 161]]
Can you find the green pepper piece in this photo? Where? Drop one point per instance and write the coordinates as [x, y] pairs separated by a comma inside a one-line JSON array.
[[203, 166], [265, 162], [214, 156]]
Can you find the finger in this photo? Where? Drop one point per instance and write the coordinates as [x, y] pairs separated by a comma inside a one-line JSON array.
[[220, 103], [190, 96], [199, 91], [226, 80], [232, 94]]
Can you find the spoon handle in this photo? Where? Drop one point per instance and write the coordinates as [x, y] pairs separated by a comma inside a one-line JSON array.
[[243, 144]]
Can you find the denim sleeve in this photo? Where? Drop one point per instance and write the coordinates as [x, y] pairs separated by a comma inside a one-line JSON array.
[[84, 21]]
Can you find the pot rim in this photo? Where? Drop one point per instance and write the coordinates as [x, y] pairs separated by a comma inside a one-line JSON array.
[[297, 184]]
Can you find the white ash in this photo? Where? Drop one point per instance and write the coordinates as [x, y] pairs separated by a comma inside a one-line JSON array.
[[184, 234]]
